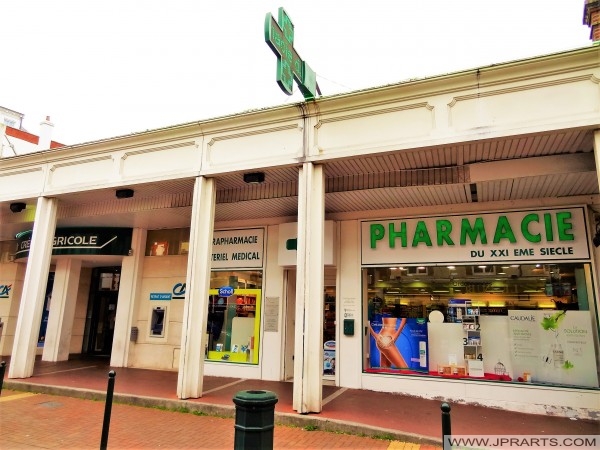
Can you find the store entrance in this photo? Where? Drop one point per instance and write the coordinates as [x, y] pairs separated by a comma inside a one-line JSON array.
[[329, 324], [290, 324], [102, 311]]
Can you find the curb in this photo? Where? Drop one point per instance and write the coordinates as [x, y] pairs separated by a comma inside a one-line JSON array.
[[225, 411]]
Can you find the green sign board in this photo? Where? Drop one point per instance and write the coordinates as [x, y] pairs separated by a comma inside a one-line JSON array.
[[280, 37], [519, 236], [82, 241]]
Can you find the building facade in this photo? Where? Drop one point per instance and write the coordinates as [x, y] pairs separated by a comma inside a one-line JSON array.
[[435, 237], [15, 140]]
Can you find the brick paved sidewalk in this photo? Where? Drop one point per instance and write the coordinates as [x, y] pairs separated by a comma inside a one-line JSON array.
[[30, 421]]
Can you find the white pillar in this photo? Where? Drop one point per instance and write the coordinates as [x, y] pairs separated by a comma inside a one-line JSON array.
[[62, 310], [597, 153], [129, 288], [272, 345], [34, 289], [308, 359], [195, 311]]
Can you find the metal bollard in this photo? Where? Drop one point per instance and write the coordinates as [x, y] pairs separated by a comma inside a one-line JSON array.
[[254, 419], [446, 429], [2, 370], [107, 409]]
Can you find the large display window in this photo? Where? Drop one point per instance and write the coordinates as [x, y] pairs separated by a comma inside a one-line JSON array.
[[233, 325], [529, 323], [166, 242]]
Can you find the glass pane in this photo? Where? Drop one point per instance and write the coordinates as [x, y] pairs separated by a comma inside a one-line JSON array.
[[508, 323]]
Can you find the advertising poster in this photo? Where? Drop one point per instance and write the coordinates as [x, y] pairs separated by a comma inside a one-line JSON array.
[[553, 346], [398, 344], [329, 358], [496, 349]]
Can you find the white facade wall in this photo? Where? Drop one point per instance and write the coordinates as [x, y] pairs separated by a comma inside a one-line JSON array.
[[517, 100]]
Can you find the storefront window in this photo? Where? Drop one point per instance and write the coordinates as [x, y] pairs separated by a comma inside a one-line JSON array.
[[168, 242], [46, 310], [508, 323], [233, 326]]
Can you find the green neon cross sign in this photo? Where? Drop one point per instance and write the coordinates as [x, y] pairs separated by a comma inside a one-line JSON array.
[[280, 37]]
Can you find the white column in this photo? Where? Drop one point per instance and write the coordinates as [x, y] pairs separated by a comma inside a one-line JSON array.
[[308, 359], [272, 346], [348, 349], [62, 310], [34, 289], [195, 311], [597, 153], [129, 288]]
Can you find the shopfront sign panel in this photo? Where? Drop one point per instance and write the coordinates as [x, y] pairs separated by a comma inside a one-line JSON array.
[[82, 241], [238, 249], [162, 296], [534, 235]]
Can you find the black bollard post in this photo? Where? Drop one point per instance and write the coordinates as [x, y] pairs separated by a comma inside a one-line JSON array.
[[254, 419], [107, 409], [446, 429], [2, 370]]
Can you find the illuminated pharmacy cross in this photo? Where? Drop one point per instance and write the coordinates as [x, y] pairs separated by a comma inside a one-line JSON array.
[[280, 37]]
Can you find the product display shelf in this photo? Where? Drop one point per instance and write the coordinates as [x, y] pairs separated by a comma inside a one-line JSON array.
[[472, 341], [329, 318], [468, 315], [245, 306]]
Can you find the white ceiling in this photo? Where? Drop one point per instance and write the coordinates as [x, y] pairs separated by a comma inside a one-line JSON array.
[[393, 180]]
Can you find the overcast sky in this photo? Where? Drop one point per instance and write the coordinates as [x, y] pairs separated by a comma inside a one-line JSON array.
[[112, 67]]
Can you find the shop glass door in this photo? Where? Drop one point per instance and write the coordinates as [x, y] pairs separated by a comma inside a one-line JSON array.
[[102, 311]]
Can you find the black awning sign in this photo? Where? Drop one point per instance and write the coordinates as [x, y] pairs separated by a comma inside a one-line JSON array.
[[82, 241]]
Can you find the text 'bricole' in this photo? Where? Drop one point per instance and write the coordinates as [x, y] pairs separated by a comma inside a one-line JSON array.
[[235, 256], [65, 241]]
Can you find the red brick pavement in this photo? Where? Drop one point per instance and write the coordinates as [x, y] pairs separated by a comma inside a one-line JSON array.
[[30, 421], [409, 419]]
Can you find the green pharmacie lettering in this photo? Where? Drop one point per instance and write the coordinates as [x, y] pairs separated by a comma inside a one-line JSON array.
[[548, 226], [397, 234], [525, 227], [478, 228], [443, 229], [421, 235], [504, 231], [533, 228], [377, 232], [564, 227]]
